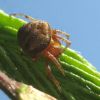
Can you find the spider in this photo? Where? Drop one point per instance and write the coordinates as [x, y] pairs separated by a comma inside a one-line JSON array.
[[37, 38]]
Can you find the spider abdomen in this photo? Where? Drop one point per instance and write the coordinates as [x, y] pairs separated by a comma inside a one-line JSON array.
[[34, 37]]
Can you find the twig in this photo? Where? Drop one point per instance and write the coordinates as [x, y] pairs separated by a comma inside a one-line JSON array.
[[18, 90]]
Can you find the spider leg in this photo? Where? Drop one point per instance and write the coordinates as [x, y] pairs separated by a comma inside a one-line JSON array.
[[68, 43], [55, 61], [61, 32], [52, 77], [26, 16], [63, 39]]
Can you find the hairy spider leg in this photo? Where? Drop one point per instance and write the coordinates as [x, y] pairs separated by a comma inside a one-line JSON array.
[[51, 77], [57, 38], [65, 40], [55, 61], [68, 43], [61, 32], [26, 16]]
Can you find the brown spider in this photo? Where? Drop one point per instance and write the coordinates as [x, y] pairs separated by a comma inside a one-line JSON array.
[[38, 38]]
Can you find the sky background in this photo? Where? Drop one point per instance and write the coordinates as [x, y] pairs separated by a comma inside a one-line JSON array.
[[80, 18]]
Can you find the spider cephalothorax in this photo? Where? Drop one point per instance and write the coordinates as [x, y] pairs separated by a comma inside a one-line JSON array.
[[38, 38]]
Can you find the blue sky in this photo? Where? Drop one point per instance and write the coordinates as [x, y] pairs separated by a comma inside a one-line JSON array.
[[80, 18]]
